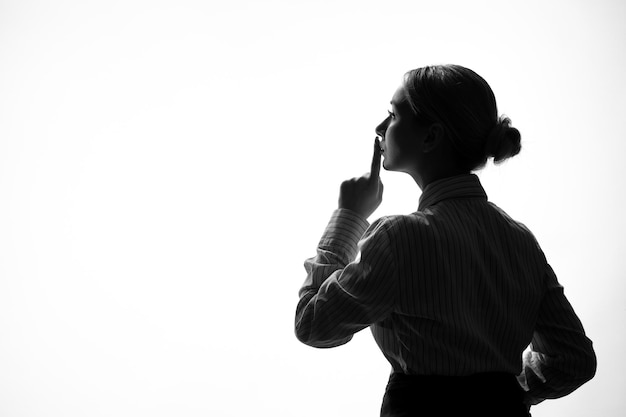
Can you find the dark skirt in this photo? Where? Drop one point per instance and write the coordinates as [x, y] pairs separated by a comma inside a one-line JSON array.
[[484, 395]]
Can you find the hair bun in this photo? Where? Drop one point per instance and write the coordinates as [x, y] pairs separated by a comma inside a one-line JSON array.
[[504, 141]]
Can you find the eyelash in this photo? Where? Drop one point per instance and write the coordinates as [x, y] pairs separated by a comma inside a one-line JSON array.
[[393, 115]]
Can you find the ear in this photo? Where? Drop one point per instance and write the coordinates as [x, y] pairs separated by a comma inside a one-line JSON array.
[[434, 137]]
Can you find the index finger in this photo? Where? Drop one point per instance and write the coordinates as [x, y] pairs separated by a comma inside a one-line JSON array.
[[375, 172]]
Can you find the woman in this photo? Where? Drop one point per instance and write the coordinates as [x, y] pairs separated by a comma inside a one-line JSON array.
[[456, 291]]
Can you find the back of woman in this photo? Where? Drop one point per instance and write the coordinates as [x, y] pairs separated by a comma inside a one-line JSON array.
[[471, 280], [456, 291]]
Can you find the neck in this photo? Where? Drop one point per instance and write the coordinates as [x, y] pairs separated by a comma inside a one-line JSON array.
[[428, 176]]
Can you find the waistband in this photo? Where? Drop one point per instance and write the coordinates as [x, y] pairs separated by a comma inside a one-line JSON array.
[[484, 394]]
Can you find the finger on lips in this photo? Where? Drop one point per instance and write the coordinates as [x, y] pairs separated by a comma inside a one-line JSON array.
[[376, 159]]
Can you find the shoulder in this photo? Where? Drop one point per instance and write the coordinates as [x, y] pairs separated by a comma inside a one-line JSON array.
[[518, 231], [399, 223], [506, 218]]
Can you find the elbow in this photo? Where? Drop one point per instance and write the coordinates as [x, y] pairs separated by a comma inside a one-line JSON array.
[[304, 331], [588, 362], [585, 367], [303, 336], [309, 338], [591, 365], [315, 331]]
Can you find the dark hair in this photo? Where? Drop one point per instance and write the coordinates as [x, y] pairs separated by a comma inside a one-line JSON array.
[[464, 104]]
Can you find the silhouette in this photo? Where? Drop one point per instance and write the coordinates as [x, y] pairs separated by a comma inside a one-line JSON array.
[[458, 295]]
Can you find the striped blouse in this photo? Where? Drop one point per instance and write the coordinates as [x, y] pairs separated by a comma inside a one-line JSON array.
[[456, 288]]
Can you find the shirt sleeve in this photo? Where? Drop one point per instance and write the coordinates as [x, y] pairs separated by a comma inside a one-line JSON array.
[[560, 357], [350, 284]]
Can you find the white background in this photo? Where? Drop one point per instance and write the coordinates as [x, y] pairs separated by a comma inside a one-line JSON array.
[[167, 166]]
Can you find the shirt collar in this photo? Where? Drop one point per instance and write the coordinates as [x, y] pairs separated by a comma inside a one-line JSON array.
[[460, 186]]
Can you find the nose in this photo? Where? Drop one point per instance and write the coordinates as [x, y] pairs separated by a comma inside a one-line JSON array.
[[382, 128]]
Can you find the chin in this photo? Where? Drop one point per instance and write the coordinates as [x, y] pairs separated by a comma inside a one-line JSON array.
[[387, 165]]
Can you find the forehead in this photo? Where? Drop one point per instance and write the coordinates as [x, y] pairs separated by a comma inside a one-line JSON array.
[[399, 99]]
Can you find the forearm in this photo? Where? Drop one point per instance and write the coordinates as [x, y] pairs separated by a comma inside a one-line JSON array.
[[346, 290], [336, 249]]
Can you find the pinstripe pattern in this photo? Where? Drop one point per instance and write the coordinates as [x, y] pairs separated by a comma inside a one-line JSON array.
[[456, 288]]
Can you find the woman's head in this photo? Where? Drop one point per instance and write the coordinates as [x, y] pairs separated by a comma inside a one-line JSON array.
[[465, 106], [458, 106]]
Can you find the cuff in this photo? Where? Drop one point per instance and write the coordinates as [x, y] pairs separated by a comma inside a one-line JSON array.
[[343, 232]]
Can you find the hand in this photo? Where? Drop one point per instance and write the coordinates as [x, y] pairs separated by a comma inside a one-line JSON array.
[[364, 194]]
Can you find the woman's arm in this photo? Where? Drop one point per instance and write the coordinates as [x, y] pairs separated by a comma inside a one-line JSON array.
[[343, 295], [561, 357]]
